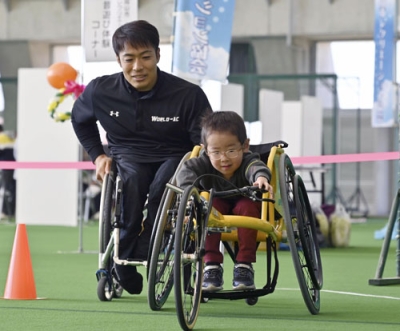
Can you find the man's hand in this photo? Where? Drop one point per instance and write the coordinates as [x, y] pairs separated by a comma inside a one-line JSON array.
[[103, 166]]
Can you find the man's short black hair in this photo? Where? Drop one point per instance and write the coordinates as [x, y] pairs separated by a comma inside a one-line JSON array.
[[136, 33]]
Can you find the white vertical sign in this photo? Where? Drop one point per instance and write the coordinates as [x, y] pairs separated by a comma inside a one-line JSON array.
[[100, 19], [384, 108]]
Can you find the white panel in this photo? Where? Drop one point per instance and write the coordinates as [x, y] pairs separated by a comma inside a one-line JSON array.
[[212, 89], [232, 98], [291, 127], [254, 132], [312, 126], [270, 114], [224, 96], [44, 196], [312, 144]]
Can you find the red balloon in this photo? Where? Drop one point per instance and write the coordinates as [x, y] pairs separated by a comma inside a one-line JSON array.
[[59, 73]]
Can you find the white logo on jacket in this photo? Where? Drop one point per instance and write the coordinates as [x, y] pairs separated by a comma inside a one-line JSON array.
[[114, 113], [165, 119]]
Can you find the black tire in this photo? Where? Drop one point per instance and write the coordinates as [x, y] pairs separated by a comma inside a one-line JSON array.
[[107, 204], [252, 301], [310, 292], [161, 264], [107, 214], [188, 267], [105, 292], [308, 232], [161, 259]]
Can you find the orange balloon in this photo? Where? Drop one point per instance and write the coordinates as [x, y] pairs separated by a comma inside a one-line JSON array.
[[60, 72]]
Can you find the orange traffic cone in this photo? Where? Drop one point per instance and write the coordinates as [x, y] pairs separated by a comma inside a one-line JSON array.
[[20, 281]]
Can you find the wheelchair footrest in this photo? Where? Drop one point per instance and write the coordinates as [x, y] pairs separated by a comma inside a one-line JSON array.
[[236, 295]]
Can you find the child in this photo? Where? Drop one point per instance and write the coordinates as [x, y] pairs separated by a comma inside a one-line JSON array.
[[227, 156]]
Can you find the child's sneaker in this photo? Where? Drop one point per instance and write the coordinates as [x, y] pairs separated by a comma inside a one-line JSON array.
[[212, 278], [243, 277]]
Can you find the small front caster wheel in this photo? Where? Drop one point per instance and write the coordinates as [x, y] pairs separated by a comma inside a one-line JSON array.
[[105, 292], [251, 301]]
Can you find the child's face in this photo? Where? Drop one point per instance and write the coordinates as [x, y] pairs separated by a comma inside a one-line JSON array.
[[221, 143]]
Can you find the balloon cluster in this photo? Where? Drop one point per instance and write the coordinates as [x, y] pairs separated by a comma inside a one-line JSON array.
[[62, 76]]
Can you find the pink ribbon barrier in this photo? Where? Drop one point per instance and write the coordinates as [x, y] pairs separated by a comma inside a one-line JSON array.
[[87, 165], [343, 158], [83, 165]]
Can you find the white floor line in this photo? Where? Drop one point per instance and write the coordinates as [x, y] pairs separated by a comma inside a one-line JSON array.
[[348, 293]]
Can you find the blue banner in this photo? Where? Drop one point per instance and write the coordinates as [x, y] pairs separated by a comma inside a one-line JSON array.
[[384, 110], [202, 39]]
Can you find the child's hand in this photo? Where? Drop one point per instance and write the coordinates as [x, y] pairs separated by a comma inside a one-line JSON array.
[[263, 183]]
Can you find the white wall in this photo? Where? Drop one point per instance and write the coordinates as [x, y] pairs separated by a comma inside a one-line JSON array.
[[44, 196], [53, 21]]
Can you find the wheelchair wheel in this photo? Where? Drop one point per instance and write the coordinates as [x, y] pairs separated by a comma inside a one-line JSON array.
[[107, 208], [310, 292], [105, 291], [308, 232], [188, 267], [107, 287], [160, 270]]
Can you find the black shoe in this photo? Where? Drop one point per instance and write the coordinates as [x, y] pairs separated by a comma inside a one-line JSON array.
[[130, 280], [243, 277], [212, 278]]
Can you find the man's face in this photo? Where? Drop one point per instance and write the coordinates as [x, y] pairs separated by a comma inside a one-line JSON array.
[[139, 66]]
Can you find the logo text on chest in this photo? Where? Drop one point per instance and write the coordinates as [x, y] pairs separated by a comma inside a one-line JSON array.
[[165, 119]]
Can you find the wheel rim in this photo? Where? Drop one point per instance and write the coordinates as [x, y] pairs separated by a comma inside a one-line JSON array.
[[310, 292], [188, 268], [307, 233], [162, 259], [104, 290]]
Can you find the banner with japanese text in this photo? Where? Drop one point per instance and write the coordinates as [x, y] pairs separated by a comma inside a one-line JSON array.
[[100, 18], [384, 109], [202, 39]]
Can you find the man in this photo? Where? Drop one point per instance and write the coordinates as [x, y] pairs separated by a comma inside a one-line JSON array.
[[152, 119]]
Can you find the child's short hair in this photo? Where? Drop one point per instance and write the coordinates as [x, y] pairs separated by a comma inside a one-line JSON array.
[[223, 121]]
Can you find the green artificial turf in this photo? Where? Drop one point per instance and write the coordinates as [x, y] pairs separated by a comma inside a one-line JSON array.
[[65, 280]]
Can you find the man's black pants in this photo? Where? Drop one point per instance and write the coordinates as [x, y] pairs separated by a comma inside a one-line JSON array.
[[141, 182]]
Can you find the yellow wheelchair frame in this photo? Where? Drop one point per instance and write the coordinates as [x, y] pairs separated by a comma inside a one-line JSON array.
[[185, 217]]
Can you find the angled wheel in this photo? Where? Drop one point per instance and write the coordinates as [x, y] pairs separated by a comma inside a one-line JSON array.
[[107, 211], [105, 291], [160, 270], [310, 292], [161, 260], [308, 232], [188, 267]]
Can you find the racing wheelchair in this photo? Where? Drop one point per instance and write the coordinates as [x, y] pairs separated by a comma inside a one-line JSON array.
[[185, 216]]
